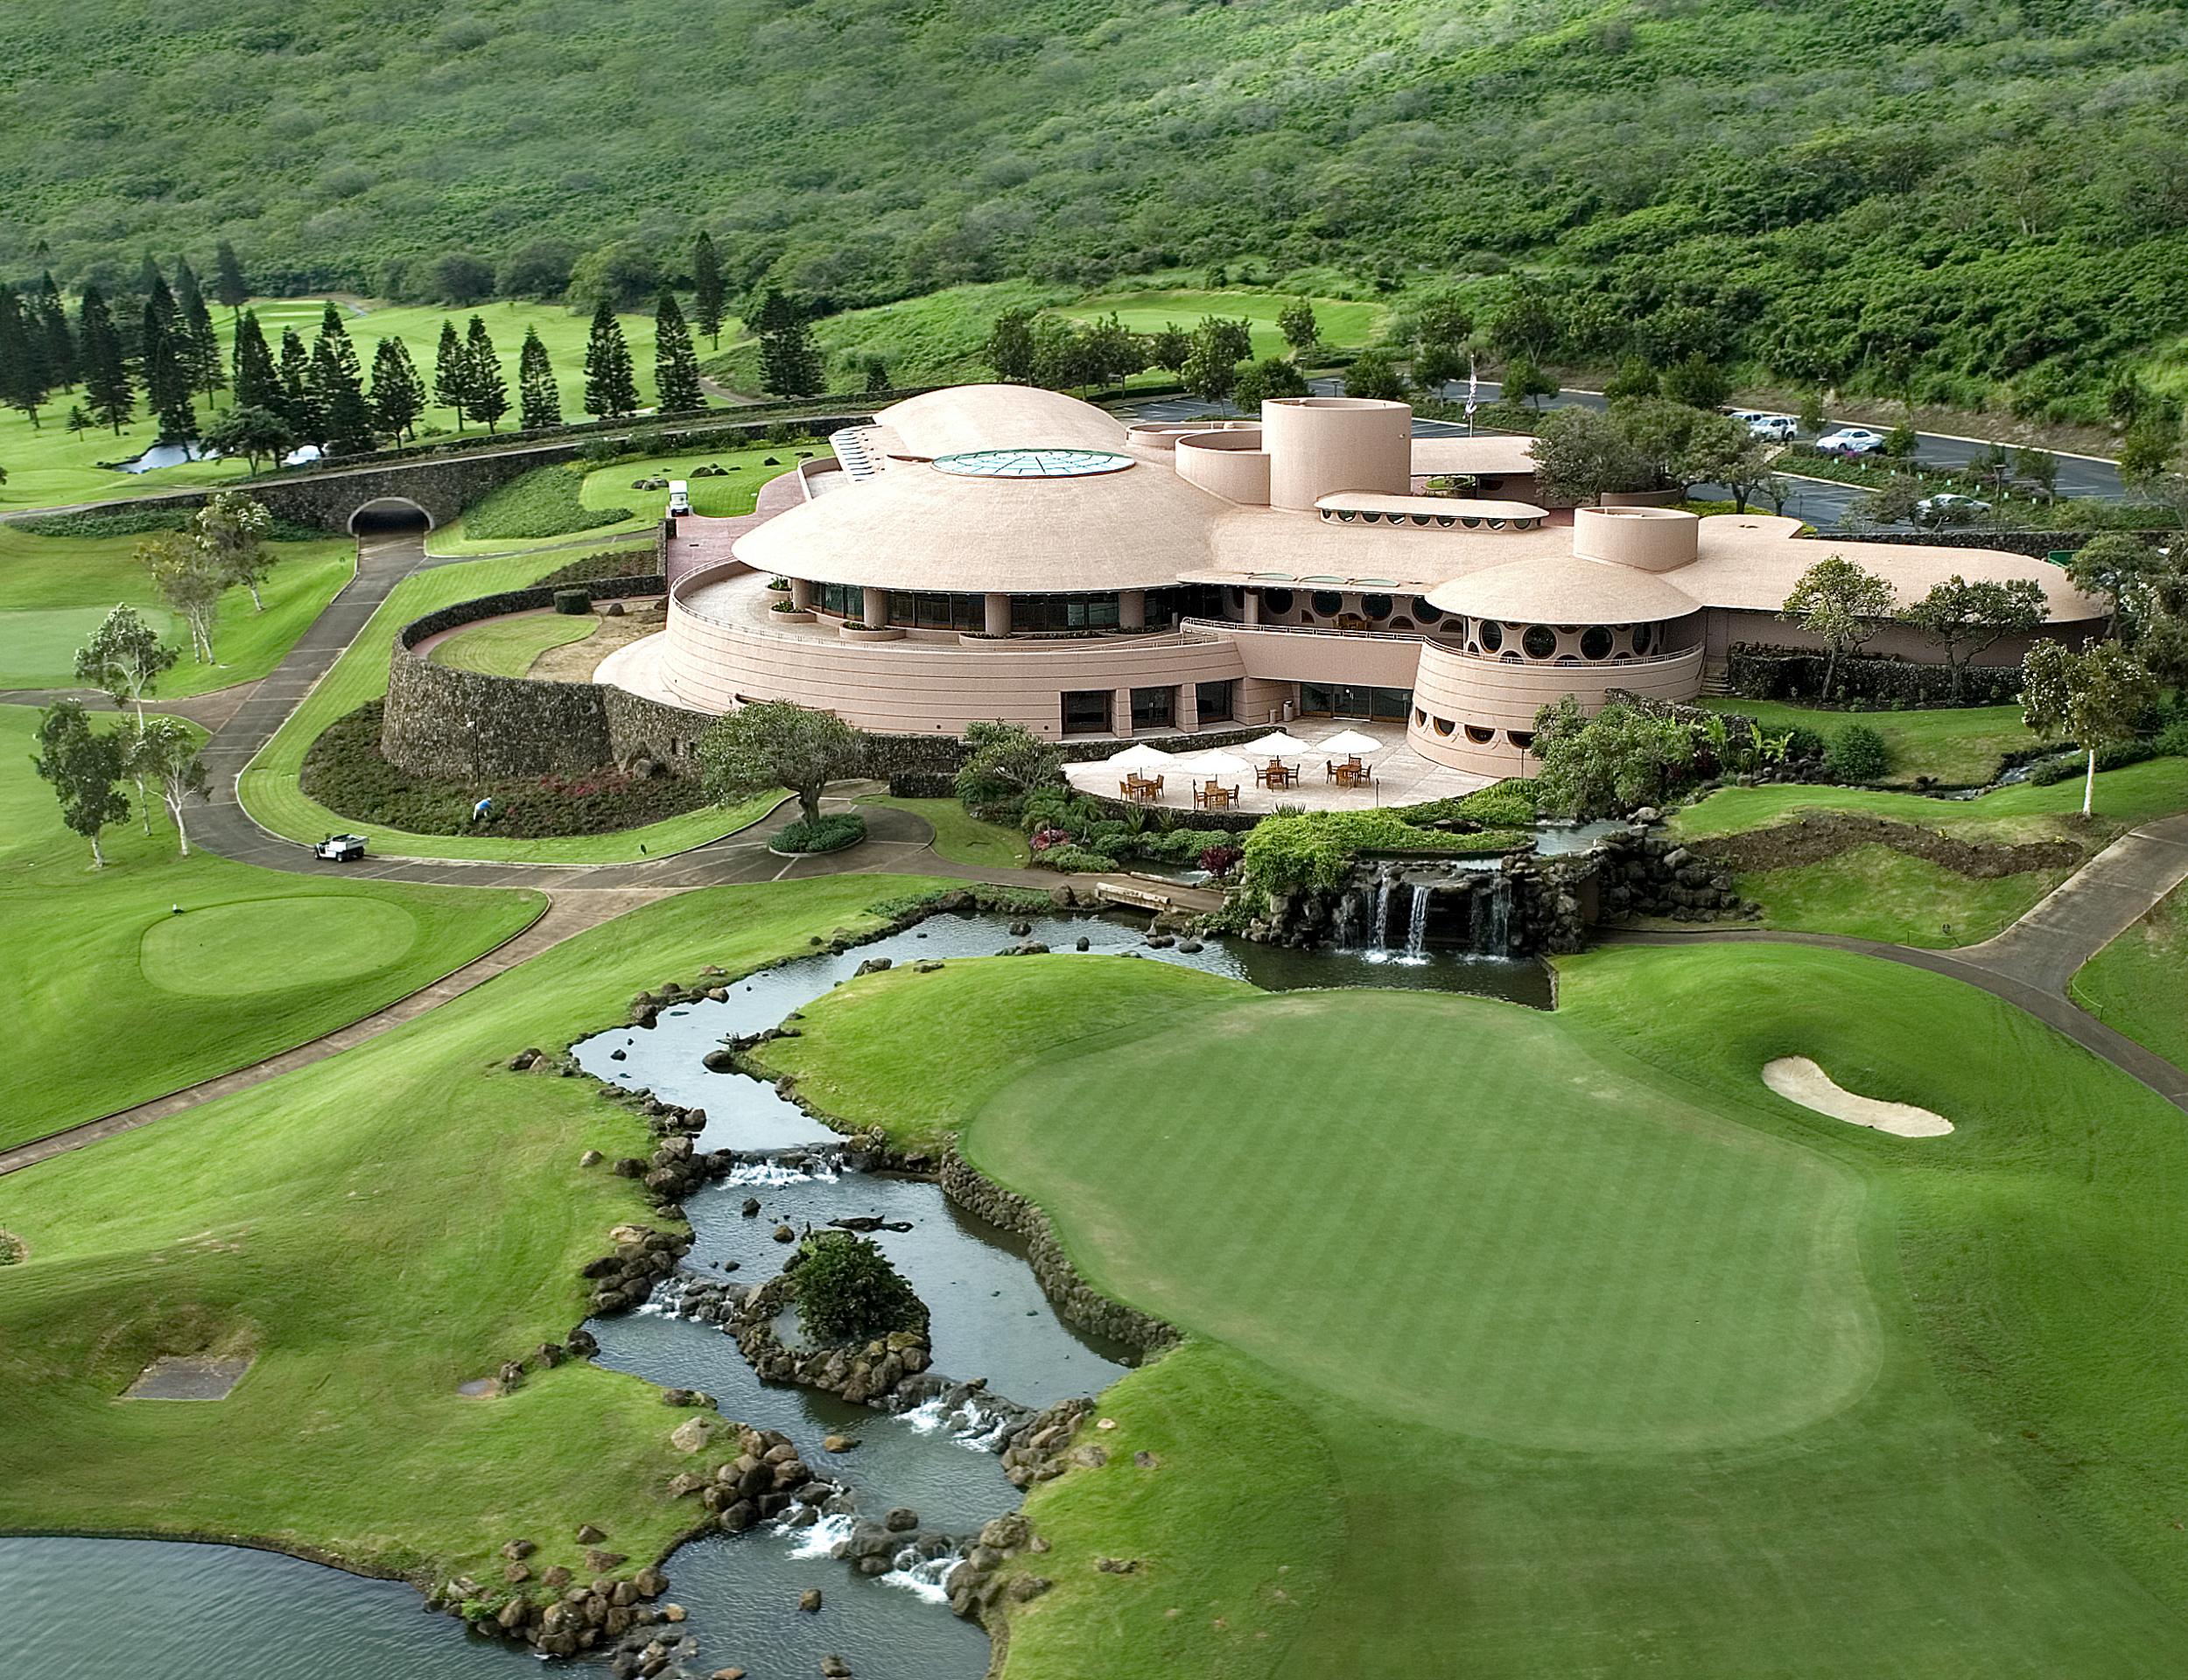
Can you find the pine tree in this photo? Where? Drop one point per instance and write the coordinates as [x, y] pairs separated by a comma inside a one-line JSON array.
[[300, 405], [706, 286], [789, 361], [196, 343], [488, 387], [338, 382], [166, 383], [539, 403], [258, 381], [22, 365], [398, 390], [149, 279], [228, 285], [451, 372], [105, 377], [62, 368], [676, 389], [611, 387]]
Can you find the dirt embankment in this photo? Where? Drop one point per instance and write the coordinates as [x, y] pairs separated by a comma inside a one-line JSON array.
[[1815, 836]]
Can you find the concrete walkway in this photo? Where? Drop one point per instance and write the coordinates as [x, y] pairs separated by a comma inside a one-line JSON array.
[[2088, 910]]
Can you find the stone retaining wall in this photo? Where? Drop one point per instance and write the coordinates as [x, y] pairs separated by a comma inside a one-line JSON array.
[[444, 722]]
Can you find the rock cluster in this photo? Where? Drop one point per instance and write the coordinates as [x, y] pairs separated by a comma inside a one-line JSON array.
[[1644, 872], [866, 1373], [974, 1588], [625, 1276], [765, 1481]]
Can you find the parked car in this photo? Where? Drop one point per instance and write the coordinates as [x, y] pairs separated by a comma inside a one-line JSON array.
[[1773, 428], [340, 848], [1949, 508], [1852, 440]]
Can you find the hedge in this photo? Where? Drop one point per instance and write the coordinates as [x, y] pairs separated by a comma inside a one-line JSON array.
[[1765, 673]]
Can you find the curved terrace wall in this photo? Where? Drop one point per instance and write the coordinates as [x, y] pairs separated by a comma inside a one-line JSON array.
[[445, 722]]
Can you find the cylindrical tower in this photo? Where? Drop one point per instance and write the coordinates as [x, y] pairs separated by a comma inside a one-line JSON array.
[[1320, 445]]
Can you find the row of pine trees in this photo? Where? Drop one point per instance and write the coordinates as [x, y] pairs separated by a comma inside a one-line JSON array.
[[317, 392]]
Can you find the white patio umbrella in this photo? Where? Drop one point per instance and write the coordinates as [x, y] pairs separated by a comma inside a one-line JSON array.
[[1351, 741], [1277, 746], [1140, 758], [1214, 763]]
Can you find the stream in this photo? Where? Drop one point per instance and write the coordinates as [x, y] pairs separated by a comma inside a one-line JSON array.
[[104, 1608]]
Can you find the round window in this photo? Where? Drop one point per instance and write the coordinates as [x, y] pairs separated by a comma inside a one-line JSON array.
[[1424, 613], [1325, 602], [1595, 642], [1279, 601], [1480, 736], [1540, 641], [1644, 637], [1376, 606], [1492, 634]]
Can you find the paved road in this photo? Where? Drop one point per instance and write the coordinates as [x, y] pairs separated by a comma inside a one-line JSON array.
[[2101, 900]]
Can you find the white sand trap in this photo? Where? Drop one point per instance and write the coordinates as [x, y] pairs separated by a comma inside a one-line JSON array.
[[190, 1376], [1799, 1080]]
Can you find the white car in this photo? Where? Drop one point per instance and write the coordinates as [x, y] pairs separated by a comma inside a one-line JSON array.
[[1949, 508], [1772, 428], [1852, 440], [340, 848]]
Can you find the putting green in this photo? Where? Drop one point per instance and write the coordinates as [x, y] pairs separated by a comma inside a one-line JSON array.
[[255, 945], [1614, 1265]]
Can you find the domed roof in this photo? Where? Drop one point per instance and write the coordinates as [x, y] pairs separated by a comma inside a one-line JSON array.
[[1563, 589], [923, 526], [960, 419]]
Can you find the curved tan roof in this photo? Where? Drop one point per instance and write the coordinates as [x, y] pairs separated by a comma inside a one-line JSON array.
[[1564, 589], [916, 527], [1498, 454], [960, 418]]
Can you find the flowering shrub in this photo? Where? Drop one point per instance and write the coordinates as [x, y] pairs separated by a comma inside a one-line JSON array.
[[1219, 861], [1044, 838]]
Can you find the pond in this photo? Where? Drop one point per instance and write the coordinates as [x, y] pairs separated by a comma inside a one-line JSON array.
[[101, 1605]]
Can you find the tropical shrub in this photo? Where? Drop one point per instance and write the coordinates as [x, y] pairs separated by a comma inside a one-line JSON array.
[[847, 1290], [1857, 753], [830, 833]]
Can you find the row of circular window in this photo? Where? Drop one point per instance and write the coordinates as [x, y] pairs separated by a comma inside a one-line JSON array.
[[1441, 522], [1480, 734]]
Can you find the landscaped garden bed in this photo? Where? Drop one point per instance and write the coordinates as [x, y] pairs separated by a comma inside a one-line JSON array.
[[345, 772]]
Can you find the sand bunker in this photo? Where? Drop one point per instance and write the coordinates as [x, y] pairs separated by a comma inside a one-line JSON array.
[[190, 1376], [1799, 1080]]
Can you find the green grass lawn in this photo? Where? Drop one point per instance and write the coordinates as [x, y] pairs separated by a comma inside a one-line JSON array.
[[1528, 1344], [605, 488], [378, 1228], [125, 1000], [54, 590], [49, 466], [1876, 892], [269, 790], [1345, 325], [962, 837], [2139, 982], [508, 647], [1958, 746]]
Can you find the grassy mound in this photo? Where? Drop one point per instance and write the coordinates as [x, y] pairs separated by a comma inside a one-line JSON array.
[[126, 1000], [2139, 982], [379, 1228], [509, 647], [1552, 1328], [547, 501]]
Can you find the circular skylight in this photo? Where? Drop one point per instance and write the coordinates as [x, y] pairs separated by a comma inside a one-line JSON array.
[[1031, 463]]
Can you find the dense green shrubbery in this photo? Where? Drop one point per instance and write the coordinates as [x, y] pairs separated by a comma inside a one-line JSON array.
[[547, 501], [847, 1290], [1857, 754], [344, 772], [142, 521], [1507, 804], [597, 568], [833, 832], [1288, 854], [1763, 672]]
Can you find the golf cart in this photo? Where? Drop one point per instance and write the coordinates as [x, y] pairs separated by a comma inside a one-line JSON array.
[[340, 848]]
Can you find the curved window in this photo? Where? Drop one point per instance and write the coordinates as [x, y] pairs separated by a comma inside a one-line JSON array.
[[1237, 596], [1401, 624], [1422, 611], [1479, 736], [1595, 642], [1492, 634], [1522, 739], [1420, 716], [1644, 637], [1277, 600], [1444, 726], [1376, 606], [1540, 641], [1326, 602]]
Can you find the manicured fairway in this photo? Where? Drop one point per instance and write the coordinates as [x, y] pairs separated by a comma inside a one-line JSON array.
[[1601, 1358], [1956, 746], [508, 647], [55, 589], [2139, 982], [269, 790], [608, 487], [111, 998], [1876, 892], [1343, 324], [50, 466], [378, 1228]]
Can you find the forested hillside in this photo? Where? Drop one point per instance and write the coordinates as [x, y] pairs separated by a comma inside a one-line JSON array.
[[1946, 194]]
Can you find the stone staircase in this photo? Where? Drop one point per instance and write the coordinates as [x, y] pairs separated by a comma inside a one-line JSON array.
[[1715, 678]]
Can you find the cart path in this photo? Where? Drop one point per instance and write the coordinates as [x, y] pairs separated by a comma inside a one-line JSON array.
[[2089, 909], [566, 915]]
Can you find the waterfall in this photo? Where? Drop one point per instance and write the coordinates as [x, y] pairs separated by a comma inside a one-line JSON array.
[[1499, 943], [1348, 927], [1381, 941], [1417, 924]]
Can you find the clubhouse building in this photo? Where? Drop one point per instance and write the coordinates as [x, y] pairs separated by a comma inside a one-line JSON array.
[[992, 551]]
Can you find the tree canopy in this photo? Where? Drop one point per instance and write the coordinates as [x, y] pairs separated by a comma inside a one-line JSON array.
[[773, 744]]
